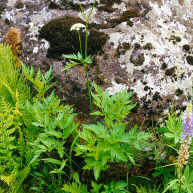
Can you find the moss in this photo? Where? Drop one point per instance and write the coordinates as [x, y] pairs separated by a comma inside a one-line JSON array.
[[107, 5], [69, 5], [156, 96], [170, 71], [53, 5], [175, 39], [19, 5], [148, 46], [62, 40], [7, 22], [164, 66], [137, 46], [106, 9], [179, 92], [131, 13], [110, 3], [137, 58], [186, 47], [126, 45], [122, 48], [146, 88], [189, 59]]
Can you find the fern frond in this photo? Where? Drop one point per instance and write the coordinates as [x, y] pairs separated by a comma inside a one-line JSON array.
[[11, 79], [6, 108], [75, 188], [40, 81]]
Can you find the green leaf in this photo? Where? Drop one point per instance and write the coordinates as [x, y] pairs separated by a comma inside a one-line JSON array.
[[170, 184], [88, 60], [131, 160], [52, 161], [79, 56], [169, 135], [97, 171], [54, 133], [97, 113], [71, 56], [70, 65]]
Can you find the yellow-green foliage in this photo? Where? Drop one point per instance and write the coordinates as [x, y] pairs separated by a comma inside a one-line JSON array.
[[13, 93], [11, 79]]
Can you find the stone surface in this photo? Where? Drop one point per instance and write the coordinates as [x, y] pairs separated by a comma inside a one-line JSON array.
[[147, 47]]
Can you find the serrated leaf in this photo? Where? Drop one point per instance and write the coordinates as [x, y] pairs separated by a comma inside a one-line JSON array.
[[70, 65]]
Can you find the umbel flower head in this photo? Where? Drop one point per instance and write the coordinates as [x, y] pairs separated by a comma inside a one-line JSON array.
[[77, 27]]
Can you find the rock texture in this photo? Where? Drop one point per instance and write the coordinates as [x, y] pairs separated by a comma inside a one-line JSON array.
[[144, 46]]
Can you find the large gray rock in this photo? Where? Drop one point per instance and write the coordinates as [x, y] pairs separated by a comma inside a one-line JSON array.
[[145, 46]]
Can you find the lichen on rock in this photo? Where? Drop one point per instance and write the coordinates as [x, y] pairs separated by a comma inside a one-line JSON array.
[[149, 49]]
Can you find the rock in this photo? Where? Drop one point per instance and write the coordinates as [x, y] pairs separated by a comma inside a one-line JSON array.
[[11, 3], [2, 6]]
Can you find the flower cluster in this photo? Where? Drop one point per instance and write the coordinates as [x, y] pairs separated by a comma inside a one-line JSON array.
[[187, 121], [77, 27], [187, 134]]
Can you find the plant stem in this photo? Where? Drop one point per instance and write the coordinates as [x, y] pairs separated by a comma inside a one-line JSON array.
[[87, 19], [180, 180], [89, 90], [86, 39], [80, 42], [127, 178]]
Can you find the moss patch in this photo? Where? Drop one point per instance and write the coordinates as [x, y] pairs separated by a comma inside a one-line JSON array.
[[64, 41], [186, 47], [131, 13], [122, 48], [189, 59], [107, 5], [170, 71]]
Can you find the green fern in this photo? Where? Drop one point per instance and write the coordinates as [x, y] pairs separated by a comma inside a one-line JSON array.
[[75, 188], [55, 123], [149, 189], [114, 108], [41, 82], [14, 152], [174, 127], [108, 141], [11, 80]]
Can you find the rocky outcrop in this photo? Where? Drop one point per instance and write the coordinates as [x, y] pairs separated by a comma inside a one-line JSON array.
[[144, 46]]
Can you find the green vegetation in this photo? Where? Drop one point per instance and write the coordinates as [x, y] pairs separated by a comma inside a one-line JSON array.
[[81, 58], [43, 148]]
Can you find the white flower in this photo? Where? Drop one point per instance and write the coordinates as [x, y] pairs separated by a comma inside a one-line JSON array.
[[77, 27]]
